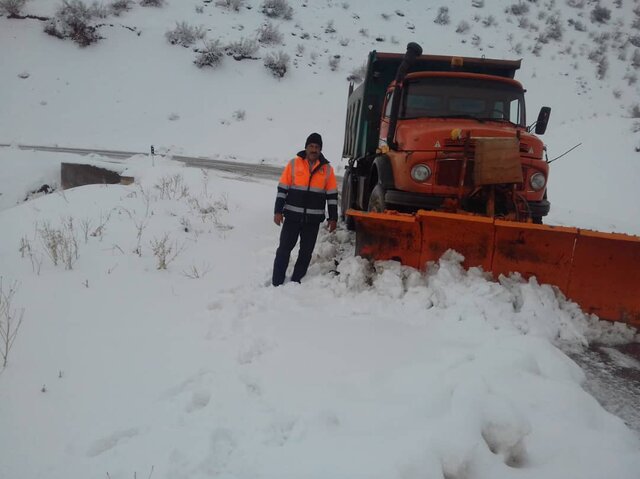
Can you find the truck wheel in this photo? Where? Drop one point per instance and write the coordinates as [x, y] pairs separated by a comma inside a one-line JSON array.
[[345, 200], [376, 200]]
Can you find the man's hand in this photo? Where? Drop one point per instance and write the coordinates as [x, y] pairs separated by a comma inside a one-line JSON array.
[[277, 218], [332, 225]]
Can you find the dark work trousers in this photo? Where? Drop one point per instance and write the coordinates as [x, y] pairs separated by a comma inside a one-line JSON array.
[[291, 230]]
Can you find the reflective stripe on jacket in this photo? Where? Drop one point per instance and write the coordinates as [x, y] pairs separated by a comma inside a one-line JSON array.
[[302, 190]]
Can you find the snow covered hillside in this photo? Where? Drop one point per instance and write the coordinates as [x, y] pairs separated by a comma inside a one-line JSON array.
[[151, 342], [133, 89]]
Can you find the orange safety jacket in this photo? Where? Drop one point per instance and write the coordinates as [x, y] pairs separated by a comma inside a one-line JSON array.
[[303, 190]]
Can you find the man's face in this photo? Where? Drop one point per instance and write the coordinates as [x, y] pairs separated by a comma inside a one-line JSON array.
[[313, 151]]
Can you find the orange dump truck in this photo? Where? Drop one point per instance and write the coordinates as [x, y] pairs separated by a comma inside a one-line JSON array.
[[440, 157]]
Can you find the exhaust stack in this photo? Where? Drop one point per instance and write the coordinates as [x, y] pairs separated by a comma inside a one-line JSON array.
[[413, 51]]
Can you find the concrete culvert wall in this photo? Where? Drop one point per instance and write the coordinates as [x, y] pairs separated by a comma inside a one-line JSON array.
[[74, 174]]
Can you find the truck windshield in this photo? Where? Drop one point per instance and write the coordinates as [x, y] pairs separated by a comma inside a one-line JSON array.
[[463, 98]]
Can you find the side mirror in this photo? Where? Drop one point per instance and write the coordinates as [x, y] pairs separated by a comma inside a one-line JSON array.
[[543, 120]]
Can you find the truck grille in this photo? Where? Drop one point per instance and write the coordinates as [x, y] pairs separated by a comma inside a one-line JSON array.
[[448, 172]]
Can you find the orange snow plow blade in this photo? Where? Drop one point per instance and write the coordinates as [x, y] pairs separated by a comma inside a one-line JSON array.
[[600, 271], [385, 236], [605, 276]]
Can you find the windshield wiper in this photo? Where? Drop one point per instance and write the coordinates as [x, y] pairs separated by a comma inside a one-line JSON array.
[[468, 117], [502, 120]]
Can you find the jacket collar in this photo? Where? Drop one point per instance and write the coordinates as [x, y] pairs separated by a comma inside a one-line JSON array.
[[303, 154]]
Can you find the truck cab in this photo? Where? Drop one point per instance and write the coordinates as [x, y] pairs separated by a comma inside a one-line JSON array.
[[413, 127]]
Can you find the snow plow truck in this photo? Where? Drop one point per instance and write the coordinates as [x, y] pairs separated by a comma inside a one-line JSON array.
[[440, 157]]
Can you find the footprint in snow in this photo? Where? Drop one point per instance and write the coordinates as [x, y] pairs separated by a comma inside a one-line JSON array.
[[199, 400], [111, 441], [252, 351]]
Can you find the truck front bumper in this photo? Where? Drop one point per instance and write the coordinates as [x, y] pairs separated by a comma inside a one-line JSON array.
[[416, 201]]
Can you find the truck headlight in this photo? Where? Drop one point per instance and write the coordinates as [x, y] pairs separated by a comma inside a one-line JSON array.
[[420, 173], [537, 181]]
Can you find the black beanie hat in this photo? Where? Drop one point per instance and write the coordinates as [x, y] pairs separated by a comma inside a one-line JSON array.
[[314, 138]]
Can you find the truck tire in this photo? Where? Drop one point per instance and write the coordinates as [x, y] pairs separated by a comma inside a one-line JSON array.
[[346, 200], [376, 199]]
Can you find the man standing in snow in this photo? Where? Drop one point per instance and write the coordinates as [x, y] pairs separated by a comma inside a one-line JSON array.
[[306, 183]]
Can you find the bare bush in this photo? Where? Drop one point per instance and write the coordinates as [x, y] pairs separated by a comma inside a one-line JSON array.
[[244, 48], [102, 225], [554, 28], [489, 21], [85, 227], [578, 25], [74, 20], [635, 60], [152, 3], [210, 55], [185, 34], [576, 3], [334, 61], [234, 5], [98, 10], [519, 8], [119, 6], [277, 9], [165, 251], [10, 321], [600, 14], [239, 115], [26, 250], [463, 27], [277, 63], [12, 8], [442, 18], [140, 225], [195, 272], [268, 34], [61, 244], [602, 65], [210, 211], [635, 110], [477, 3], [330, 28], [172, 187]]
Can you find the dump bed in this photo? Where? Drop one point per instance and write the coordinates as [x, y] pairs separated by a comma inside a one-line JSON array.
[[363, 110]]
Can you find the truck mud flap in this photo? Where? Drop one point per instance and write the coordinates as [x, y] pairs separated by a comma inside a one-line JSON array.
[[599, 271]]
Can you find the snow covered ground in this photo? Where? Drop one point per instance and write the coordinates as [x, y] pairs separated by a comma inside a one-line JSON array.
[[202, 369]]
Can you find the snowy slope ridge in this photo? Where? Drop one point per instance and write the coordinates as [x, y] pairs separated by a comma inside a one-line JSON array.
[[364, 370], [130, 91]]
